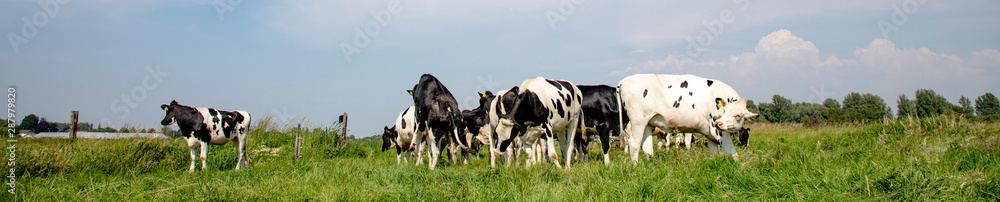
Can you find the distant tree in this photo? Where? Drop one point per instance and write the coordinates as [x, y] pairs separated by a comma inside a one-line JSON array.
[[930, 104], [807, 113], [905, 107], [28, 123], [752, 107], [966, 105], [831, 103], [775, 111], [46, 126], [3, 128], [867, 107], [987, 105]]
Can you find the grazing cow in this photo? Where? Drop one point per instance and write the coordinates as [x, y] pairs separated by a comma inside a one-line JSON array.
[[476, 126], [204, 126], [499, 106], [744, 137], [600, 105], [401, 136], [544, 109], [686, 103], [438, 115]]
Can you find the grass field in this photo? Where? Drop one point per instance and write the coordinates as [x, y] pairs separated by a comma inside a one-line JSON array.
[[929, 159]]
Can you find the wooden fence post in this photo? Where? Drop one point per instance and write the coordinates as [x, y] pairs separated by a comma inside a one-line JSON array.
[[73, 119], [298, 142], [343, 130]]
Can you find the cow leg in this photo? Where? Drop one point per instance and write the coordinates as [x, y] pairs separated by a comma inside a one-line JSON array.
[[204, 154], [420, 154], [194, 155], [568, 147], [647, 145], [531, 154], [727, 145], [604, 133], [640, 131], [239, 153], [688, 138], [399, 156], [193, 146]]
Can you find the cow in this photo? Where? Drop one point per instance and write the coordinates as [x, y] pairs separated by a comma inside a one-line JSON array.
[[499, 106], [203, 126], [438, 115], [544, 109], [744, 137], [600, 105], [476, 126], [685, 103], [401, 136]]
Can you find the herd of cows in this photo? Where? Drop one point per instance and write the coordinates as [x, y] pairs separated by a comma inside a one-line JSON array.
[[529, 118], [526, 119]]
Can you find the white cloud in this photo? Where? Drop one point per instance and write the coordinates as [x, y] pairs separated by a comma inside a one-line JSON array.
[[781, 58]]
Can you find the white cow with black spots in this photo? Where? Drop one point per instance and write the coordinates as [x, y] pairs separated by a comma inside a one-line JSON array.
[[685, 103], [543, 108], [401, 136], [204, 126]]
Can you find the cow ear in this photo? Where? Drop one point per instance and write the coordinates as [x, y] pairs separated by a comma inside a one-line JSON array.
[[387, 129], [165, 107], [751, 116], [410, 92], [173, 103], [482, 95]]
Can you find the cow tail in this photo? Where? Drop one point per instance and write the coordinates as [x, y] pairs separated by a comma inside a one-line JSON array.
[[621, 120]]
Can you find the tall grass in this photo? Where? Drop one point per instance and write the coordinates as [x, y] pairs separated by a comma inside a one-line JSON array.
[[945, 158]]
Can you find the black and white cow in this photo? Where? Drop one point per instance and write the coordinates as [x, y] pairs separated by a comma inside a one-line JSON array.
[[685, 103], [600, 105], [476, 126], [401, 136], [498, 107], [543, 108], [438, 115], [204, 126]]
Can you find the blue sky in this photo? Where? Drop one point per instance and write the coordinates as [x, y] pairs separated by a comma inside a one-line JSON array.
[[117, 61]]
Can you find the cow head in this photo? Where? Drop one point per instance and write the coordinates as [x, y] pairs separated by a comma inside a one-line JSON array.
[[521, 115], [744, 137], [734, 115], [170, 118], [389, 138]]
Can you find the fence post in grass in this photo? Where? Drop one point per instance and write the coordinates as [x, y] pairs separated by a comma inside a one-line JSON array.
[[343, 130], [73, 118], [298, 142]]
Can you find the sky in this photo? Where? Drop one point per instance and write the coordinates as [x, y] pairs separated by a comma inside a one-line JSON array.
[[310, 61]]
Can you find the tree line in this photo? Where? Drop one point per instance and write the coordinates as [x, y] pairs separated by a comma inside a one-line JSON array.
[[35, 124], [867, 107]]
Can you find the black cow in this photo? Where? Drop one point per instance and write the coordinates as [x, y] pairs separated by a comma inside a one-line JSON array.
[[204, 126], [600, 105], [744, 137], [438, 114], [476, 125]]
